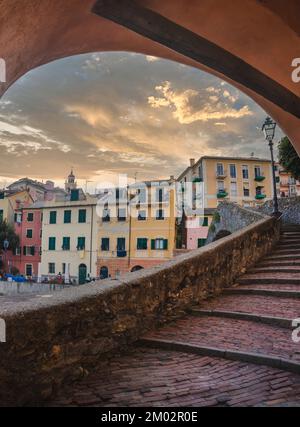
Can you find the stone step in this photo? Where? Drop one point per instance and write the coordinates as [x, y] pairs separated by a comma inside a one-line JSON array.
[[280, 264], [263, 306], [275, 269], [281, 322], [288, 245], [284, 257], [268, 280], [243, 290], [242, 356], [286, 252]]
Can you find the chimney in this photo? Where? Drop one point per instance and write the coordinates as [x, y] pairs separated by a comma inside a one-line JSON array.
[[172, 178], [192, 163]]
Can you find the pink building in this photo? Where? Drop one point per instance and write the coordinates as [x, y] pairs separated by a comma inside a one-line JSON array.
[[28, 225]]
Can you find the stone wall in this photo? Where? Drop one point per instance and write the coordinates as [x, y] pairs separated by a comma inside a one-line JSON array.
[[52, 341], [289, 206], [232, 217]]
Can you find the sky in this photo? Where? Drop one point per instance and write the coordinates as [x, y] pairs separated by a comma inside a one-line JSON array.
[[106, 114]]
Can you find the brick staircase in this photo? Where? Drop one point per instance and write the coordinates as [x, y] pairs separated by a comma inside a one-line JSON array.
[[234, 350]]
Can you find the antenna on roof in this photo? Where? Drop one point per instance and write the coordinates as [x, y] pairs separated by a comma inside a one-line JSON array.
[[252, 154]]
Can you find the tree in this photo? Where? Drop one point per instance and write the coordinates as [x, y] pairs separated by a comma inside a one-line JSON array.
[[7, 232], [288, 158]]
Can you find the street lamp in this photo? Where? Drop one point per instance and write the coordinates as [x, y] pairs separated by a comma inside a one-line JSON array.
[[269, 128]]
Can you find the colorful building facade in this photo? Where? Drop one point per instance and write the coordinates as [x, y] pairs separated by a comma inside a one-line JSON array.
[[140, 233]]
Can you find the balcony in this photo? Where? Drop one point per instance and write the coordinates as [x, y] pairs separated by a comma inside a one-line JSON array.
[[222, 194], [121, 254], [221, 174], [259, 178], [260, 196]]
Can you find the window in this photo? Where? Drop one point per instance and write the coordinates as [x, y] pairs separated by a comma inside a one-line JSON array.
[[82, 216], [66, 244], [105, 244], [122, 214], [74, 195], [142, 195], [204, 221], [18, 251], [63, 268], [29, 233], [121, 244], [51, 268], [53, 215], [220, 169], [159, 195], [28, 269], [257, 172], [201, 243], [1, 215], [142, 215], [52, 243], [67, 217], [28, 250], [232, 171], [30, 217], [81, 243], [246, 191], [2, 195], [160, 215], [245, 171], [159, 244], [142, 244], [106, 215], [233, 189], [18, 218], [221, 186]]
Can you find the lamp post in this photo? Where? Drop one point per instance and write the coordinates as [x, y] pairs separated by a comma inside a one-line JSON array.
[[269, 128]]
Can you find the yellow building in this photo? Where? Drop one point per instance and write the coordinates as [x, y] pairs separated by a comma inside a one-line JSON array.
[[10, 201], [140, 232], [243, 180]]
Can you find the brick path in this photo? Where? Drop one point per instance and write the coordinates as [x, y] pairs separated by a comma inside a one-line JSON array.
[[234, 350]]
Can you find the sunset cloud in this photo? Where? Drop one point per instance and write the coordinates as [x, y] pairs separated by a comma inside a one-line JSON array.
[[111, 113], [188, 106]]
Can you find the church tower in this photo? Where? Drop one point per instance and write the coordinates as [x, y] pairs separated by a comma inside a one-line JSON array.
[[70, 184]]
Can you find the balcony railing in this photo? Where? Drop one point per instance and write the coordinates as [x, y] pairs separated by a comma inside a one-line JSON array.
[[260, 178], [121, 254], [222, 194]]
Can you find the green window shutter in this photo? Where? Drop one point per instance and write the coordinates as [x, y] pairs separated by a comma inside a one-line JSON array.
[[32, 250], [66, 243], [81, 243], [1, 215], [142, 244], [166, 244], [105, 244], [30, 217], [74, 195], [52, 243], [82, 216], [29, 234], [53, 216], [24, 250], [205, 222], [67, 217], [153, 244]]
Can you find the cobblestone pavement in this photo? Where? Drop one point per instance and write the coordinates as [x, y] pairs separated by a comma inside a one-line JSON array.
[[234, 350]]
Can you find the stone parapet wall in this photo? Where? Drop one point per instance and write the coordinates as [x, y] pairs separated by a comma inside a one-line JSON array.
[[289, 206], [232, 217], [53, 341]]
